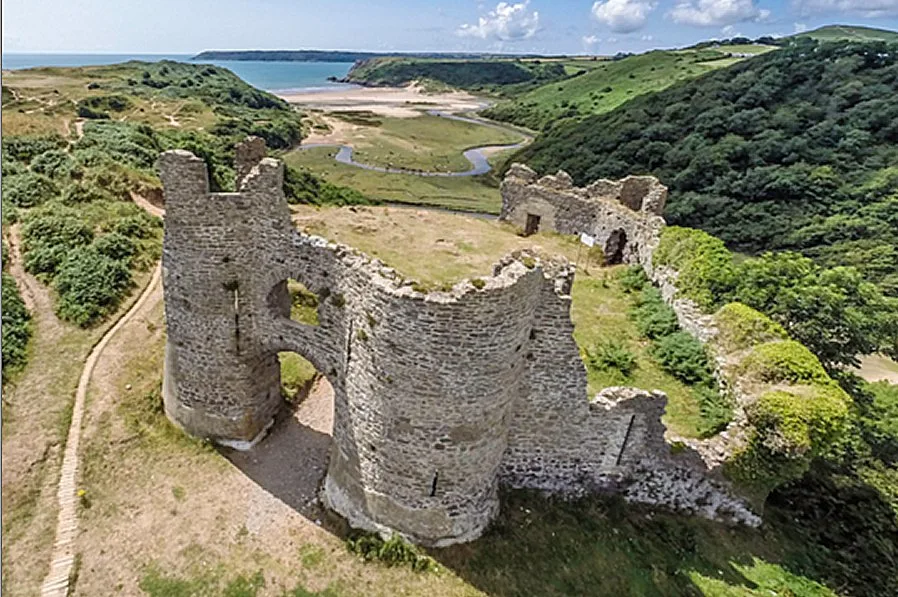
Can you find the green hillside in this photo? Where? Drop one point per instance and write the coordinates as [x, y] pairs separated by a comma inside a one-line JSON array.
[[609, 85], [796, 149], [850, 33], [482, 75]]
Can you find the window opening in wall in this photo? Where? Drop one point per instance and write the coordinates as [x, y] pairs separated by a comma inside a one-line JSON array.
[[292, 299], [532, 226], [433, 485]]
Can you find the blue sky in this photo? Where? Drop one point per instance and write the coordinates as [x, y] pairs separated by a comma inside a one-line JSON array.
[[544, 26]]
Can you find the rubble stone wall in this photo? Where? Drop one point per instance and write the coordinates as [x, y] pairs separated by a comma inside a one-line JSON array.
[[439, 396]]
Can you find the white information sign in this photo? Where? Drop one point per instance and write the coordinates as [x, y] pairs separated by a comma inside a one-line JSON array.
[[587, 240]]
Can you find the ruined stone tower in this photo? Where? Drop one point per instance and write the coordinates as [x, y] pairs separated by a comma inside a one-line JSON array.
[[438, 397]]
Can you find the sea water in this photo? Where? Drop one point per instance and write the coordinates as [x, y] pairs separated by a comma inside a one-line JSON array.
[[270, 76]]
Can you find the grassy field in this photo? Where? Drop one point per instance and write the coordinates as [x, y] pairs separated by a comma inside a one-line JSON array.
[[44, 100], [429, 143], [448, 248], [470, 193], [609, 84]]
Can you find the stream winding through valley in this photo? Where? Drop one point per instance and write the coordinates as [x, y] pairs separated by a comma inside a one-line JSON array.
[[476, 155]]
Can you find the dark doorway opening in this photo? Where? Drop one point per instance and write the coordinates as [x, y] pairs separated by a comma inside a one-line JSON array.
[[614, 247], [532, 225]]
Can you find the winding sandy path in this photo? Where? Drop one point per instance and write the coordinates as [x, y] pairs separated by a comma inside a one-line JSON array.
[[56, 584]]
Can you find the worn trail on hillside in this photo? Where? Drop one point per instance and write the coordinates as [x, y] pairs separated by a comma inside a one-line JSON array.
[[477, 156], [62, 563]]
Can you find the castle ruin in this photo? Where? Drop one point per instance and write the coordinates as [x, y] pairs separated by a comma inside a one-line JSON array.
[[439, 397]]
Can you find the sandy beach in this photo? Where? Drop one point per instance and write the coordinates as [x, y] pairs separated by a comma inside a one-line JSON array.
[[404, 102]]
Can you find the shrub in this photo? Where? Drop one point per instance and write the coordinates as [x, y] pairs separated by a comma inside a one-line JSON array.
[[48, 236], [633, 279], [16, 326], [789, 429], [28, 189], [25, 148], [706, 273], [740, 327], [138, 226], [682, 356], [90, 285], [393, 552], [83, 192], [116, 246], [783, 361], [612, 354], [55, 163], [652, 316], [716, 408]]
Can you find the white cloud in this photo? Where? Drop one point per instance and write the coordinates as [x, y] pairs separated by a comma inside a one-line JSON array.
[[716, 13], [590, 40], [623, 16], [867, 8], [508, 22], [647, 37], [729, 31], [800, 27]]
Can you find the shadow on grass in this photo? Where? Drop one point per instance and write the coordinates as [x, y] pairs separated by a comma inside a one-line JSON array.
[[602, 546]]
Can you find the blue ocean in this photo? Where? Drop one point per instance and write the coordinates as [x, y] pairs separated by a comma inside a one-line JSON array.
[[270, 76]]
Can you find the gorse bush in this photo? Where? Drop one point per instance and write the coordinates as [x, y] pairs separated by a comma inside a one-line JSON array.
[[48, 235], [25, 148], [90, 285], [56, 164], [612, 354], [16, 326]]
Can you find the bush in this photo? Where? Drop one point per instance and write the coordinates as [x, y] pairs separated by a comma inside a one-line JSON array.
[[90, 285], [116, 246], [48, 236], [55, 163], [84, 192], [301, 186], [16, 326], [740, 327], [706, 273], [652, 316], [633, 279], [684, 357], [783, 361], [789, 429], [612, 354], [139, 226], [25, 148], [28, 189], [393, 552], [716, 408]]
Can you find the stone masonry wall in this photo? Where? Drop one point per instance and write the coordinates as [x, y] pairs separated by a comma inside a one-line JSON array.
[[439, 397]]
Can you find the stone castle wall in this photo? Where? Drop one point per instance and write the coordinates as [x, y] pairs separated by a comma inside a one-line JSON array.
[[439, 397]]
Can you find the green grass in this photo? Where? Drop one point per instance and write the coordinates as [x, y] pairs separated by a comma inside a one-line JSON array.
[[745, 48], [602, 547], [850, 32], [600, 313], [430, 143], [607, 86], [469, 193]]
